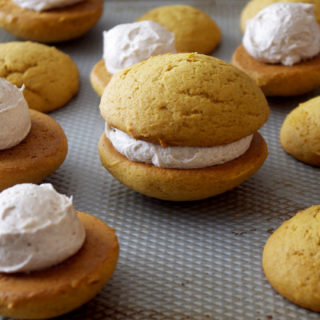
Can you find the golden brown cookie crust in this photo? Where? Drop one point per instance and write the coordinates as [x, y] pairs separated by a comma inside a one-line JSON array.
[[182, 184], [54, 25], [194, 30], [254, 6], [37, 156], [62, 288], [184, 99], [291, 259], [300, 132], [99, 77], [277, 79], [50, 76]]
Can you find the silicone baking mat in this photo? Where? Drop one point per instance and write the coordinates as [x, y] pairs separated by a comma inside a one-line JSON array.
[[198, 260]]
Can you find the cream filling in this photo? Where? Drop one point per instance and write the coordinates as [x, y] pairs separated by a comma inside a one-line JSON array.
[[175, 157], [130, 43], [39, 228], [284, 32], [15, 121], [41, 5]]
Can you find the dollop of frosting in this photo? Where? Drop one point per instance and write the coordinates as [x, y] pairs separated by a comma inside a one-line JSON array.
[[130, 43], [284, 32], [39, 228], [41, 5], [15, 122], [175, 157]]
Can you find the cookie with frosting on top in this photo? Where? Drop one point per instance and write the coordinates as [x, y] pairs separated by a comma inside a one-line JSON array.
[[49, 21], [182, 127]]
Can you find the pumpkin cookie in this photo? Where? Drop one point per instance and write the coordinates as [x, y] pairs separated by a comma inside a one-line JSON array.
[[194, 30], [50, 76], [291, 259], [58, 258], [254, 6], [55, 25], [37, 156], [159, 133], [300, 132]]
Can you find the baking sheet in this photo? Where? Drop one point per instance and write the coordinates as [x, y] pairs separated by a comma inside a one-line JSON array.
[[198, 260]]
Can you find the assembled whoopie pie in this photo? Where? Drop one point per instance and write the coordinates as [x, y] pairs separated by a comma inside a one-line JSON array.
[[182, 127], [49, 21]]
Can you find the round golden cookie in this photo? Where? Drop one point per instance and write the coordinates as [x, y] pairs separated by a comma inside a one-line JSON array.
[[277, 79], [53, 25], [194, 30], [291, 259], [37, 156], [184, 99], [254, 6], [182, 184], [57, 290], [50, 76], [300, 132], [99, 77]]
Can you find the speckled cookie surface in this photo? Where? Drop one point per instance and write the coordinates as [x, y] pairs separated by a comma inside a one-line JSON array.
[[50, 76], [37, 156], [277, 79], [194, 30], [64, 287], [184, 99], [99, 77], [300, 132], [254, 6], [53, 25], [291, 259]]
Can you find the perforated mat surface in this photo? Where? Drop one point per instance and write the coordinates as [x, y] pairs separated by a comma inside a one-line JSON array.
[[198, 260]]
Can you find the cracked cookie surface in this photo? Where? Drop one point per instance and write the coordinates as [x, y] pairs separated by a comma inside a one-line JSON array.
[[184, 99], [50, 76]]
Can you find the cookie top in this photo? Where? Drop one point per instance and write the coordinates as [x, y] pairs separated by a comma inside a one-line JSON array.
[[50, 76], [184, 99], [300, 132], [291, 259], [254, 6], [194, 30]]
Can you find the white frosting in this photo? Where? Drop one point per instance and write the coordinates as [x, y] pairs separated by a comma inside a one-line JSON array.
[[41, 5], [175, 157], [130, 43], [38, 228], [284, 32], [15, 122]]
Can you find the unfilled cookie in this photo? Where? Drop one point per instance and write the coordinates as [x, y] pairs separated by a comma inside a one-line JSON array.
[[300, 132], [50, 76], [66, 286], [37, 156], [291, 259], [277, 79], [194, 30], [50, 26]]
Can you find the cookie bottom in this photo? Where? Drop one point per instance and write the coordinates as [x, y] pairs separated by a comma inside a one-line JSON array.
[[50, 26], [99, 77], [37, 156], [277, 79], [182, 184], [66, 286]]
